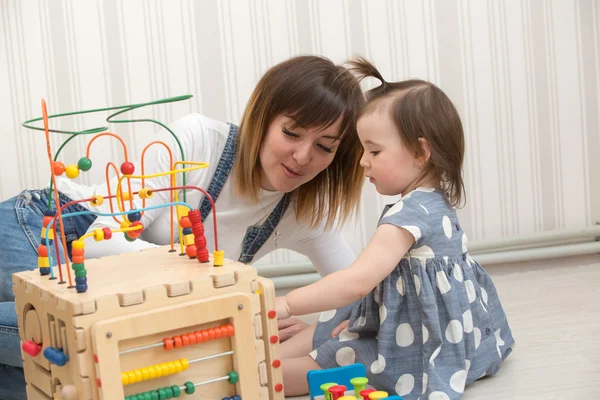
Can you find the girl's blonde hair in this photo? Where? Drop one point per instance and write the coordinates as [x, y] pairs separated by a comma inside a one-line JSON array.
[[420, 109], [315, 93]]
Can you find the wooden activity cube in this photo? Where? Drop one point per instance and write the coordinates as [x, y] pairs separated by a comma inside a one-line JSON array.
[[139, 305]]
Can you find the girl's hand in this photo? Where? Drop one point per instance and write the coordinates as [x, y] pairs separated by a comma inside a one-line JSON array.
[[338, 329], [290, 327], [281, 308]]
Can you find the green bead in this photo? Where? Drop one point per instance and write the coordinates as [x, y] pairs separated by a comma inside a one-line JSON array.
[[129, 238], [84, 164], [140, 396], [80, 272], [162, 395], [176, 391], [233, 377], [169, 392], [78, 266], [147, 395], [189, 387], [154, 395]]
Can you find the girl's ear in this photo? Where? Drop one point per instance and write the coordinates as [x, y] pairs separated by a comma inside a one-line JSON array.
[[424, 155]]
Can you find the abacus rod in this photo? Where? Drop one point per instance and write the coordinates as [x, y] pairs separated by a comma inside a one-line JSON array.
[[149, 346], [224, 378], [227, 353]]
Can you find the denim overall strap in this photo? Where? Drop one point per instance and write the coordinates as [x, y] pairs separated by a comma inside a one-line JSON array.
[[221, 173], [256, 236]]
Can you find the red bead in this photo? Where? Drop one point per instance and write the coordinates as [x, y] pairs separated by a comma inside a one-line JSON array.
[[31, 348], [137, 232], [190, 251], [192, 338], [212, 334], [205, 337], [202, 255], [99, 382], [195, 217], [185, 222], [77, 252], [96, 358], [168, 343], [200, 242], [276, 363], [42, 251], [230, 330], [58, 168], [46, 220], [199, 337], [178, 341], [78, 260], [274, 339], [185, 339], [278, 387], [127, 168], [272, 314], [107, 233], [218, 332]]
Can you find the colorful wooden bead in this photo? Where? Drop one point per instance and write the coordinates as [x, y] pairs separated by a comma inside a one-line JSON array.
[[127, 168], [72, 171], [107, 233], [58, 168], [189, 387], [84, 164], [97, 200]]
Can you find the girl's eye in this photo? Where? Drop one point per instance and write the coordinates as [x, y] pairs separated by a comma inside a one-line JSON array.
[[288, 133], [375, 153], [325, 148]]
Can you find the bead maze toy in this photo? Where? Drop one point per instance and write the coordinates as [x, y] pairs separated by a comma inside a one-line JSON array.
[[335, 384], [142, 325]]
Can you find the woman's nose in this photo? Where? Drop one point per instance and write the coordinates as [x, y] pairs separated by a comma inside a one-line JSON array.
[[302, 154]]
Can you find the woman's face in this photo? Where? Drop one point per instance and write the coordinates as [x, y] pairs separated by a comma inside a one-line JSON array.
[[291, 156]]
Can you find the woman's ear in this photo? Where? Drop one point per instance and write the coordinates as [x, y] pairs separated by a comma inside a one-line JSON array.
[[424, 153]]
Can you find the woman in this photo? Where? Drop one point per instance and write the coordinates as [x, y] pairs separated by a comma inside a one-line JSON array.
[[283, 179]]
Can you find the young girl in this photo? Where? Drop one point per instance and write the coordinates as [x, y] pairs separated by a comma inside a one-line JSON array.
[[424, 317]]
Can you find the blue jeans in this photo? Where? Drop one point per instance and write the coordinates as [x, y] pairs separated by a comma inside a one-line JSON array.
[[20, 228]]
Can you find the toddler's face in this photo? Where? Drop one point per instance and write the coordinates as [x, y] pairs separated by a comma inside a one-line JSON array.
[[388, 164]]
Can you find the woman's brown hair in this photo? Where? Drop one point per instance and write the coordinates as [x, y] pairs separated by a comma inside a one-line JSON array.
[[315, 93], [420, 109]]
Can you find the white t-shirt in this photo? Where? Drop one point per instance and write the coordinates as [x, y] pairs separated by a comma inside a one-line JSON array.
[[203, 139]]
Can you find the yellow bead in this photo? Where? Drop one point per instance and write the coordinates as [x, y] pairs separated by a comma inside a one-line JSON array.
[[72, 171], [152, 372], [98, 235], [146, 193], [97, 200], [138, 375], [125, 224], [78, 244], [145, 374], [178, 366], [185, 364], [219, 257], [378, 395], [131, 376], [188, 239], [165, 369], [43, 262], [158, 371], [50, 233], [172, 368], [124, 379]]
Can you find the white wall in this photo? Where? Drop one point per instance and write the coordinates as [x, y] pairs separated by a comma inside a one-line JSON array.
[[525, 76]]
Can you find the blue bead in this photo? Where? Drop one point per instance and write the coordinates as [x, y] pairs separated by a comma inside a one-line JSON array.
[[46, 242], [226, 398], [49, 213], [186, 231], [236, 397], [44, 271], [81, 288], [81, 280], [135, 216]]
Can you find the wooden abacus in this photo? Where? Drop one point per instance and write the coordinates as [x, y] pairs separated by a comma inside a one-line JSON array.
[[152, 325]]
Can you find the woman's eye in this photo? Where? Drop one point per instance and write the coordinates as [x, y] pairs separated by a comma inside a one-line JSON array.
[[288, 133], [325, 148]]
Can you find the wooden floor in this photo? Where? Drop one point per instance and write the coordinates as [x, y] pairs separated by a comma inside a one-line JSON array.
[[553, 309]]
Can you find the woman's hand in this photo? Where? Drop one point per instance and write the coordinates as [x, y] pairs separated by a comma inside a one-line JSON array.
[[338, 329], [290, 327]]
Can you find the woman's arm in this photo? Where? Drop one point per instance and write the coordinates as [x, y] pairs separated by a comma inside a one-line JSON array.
[[327, 251], [388, 245]]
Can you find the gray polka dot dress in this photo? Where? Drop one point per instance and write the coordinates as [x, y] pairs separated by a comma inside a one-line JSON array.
[[435, 324]]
